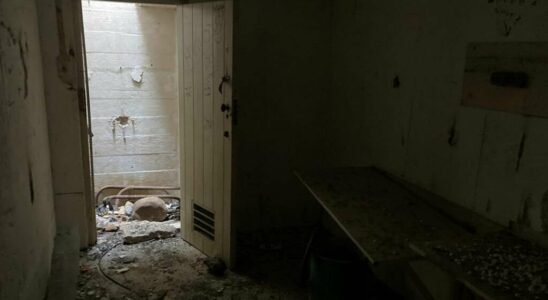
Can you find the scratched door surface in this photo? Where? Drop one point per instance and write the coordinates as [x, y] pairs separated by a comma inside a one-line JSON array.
[[205, 62]]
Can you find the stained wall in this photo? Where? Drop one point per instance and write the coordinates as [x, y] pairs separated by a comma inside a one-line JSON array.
[[27, 215], [397, 82]]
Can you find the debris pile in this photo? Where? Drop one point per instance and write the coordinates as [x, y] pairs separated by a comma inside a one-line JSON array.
[[507, 263], [106, 214], [110, 219], [173, 211]]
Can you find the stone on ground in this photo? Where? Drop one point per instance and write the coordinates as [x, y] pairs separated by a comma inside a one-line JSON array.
[[140, 231], [101, 222], [215, 266], [110, 227], [150, 209], [128, 207]]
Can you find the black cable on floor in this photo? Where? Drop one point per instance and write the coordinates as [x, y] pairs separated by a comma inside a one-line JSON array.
[[109, 277], [114, 280]]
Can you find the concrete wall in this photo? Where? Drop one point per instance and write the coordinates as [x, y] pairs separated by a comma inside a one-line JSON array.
[[121, 39], [281, 85], [419, 130], [27, 219], [59, 23]]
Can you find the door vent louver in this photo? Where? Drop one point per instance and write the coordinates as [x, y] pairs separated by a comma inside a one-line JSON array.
[[203, 221]]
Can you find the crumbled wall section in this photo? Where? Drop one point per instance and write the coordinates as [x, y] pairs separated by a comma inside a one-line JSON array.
[[27, 219], [131, 55]]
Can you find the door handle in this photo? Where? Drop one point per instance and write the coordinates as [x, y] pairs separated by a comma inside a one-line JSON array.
[[225, 107], [225, 79]]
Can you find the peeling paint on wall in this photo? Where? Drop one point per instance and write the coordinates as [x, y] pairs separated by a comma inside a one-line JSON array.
[[509, 14], [453, 138], [480, 157], [506, 20], [137, 75], [27, 222], [520, 151], [65, 62], [9, 30], [488, 206], [123, 122], [396, 82], [21, 45], [24, 65], [544, 212], [31, 184], [524, 214]]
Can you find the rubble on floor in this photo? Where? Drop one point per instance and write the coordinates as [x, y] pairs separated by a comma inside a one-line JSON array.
[[173, 211], [125, 217], [145, 209], [140, 231], [111, 227], [173, 269], [515, 266]]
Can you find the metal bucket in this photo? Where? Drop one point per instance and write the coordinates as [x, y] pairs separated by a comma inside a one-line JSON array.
[[335, 272]]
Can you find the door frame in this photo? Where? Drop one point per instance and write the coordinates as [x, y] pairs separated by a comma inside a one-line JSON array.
[[228, 215]]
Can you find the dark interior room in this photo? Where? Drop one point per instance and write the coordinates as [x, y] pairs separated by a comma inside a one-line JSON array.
[[283, 149]]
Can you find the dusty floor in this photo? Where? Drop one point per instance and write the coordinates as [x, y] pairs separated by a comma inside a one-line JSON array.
[[172, 269]]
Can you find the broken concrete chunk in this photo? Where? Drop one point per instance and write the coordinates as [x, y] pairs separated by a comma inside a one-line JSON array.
[[110, 227], [137, 232], [126, 259], [101, 222], [128, 208], [122, 270], [150, 209], [121, 211]]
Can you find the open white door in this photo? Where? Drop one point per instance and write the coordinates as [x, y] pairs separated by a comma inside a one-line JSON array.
[[205, 68]]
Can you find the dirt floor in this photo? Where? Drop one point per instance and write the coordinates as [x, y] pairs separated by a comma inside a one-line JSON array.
[[269, 268]]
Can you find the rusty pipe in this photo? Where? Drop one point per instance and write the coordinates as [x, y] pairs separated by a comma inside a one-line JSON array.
[[107, 187], [112, 197], [136, 187], [124, 188]]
